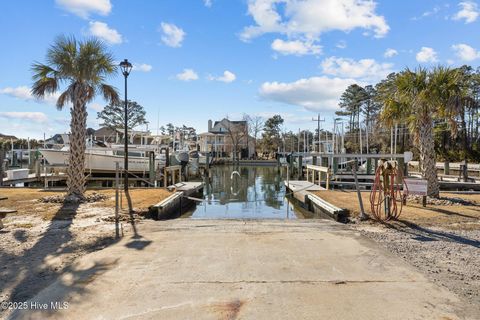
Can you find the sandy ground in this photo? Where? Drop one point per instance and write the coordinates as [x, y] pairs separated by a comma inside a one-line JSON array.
[[41, 240], [441, 241]]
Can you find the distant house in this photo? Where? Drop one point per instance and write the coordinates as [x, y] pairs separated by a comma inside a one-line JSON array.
[[224, 136], [7, 137], [106, 134], [110, 135], [58, 139]]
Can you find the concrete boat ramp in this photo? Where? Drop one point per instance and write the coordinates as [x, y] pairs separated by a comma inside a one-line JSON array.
[[255, 269]]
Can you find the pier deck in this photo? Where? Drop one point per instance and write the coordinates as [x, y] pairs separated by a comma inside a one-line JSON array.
[[300, 185]]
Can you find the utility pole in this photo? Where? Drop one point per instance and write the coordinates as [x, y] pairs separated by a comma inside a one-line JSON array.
[[299, 136], [304, 142], [318, 120]]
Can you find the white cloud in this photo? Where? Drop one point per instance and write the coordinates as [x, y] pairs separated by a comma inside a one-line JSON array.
[[308, 19], [207, 3], [83, 8], [104, 32], [187, 75], [465, 53], [172, 35], [468, 12], [363, 69], [142, 67], [296, 47], [342, 44], [95, 106], [389, 53], [24, 93], [431, 13], [38, 117], [315, 93], [227, 77], [427, 55]]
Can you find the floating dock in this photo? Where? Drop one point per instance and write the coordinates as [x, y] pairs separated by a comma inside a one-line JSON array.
[[302, 192], [300, 189], [172, 207]]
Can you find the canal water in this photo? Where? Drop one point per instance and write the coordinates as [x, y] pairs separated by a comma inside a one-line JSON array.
[[246, 192]]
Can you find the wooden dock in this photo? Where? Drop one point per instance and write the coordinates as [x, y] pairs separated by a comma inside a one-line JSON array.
[[172, 206], [301, 189], [32, 177], [299, 185]]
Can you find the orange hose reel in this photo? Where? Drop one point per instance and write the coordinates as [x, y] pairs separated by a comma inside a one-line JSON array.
[[387, 191]]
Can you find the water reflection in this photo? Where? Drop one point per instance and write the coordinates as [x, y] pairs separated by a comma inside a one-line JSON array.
[[253, 193]]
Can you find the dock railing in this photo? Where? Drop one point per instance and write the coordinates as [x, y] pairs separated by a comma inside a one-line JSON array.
[[320, 172]]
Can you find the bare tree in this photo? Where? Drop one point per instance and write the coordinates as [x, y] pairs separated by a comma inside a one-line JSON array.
[[236, 133], [255, 126]]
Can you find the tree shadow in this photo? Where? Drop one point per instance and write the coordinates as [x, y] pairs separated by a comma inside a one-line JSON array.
[[131, 213], [425, 234], [138, 244], [38, 266], [451, 213], [69, 287]]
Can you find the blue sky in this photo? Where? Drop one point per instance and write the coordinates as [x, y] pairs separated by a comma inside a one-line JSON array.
[[198, 59]]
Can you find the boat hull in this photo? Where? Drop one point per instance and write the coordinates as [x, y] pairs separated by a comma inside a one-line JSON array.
[[98, 162]]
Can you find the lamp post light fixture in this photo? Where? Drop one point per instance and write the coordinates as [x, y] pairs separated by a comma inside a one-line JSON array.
[[126, 67]]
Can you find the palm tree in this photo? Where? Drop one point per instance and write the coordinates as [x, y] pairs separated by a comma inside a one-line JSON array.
[[418, 98], [82, 67]]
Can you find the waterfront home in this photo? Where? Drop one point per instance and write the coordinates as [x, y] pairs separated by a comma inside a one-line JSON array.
[[225, 136]]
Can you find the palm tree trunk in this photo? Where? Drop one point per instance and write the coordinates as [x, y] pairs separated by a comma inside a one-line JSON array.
[[427, 155], [78, 131]]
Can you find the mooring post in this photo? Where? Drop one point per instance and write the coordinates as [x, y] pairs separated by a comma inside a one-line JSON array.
[[117, 182], [151, 167], [38, 171], [45, 175], [2, 156], [363, 216], [369, 166], [300, 167], [288, 178]]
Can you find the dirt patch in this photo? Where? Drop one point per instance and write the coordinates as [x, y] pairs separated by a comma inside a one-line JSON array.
[[441, 240], [442, 201], [42, 240], [26, 201], [142, 199], [451, 216], [447, 257], [93, 197], [228, 310]]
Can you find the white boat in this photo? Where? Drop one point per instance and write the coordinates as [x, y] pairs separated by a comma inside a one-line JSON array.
[[102, 160]]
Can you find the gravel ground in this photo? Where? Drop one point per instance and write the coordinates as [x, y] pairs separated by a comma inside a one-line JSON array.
[[448, 257]]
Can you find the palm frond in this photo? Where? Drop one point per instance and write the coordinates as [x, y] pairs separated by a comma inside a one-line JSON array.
[[64, 98], [110, 93], [63, 56], [44, 86]]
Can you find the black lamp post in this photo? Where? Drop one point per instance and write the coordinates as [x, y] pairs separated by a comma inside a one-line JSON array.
[[126, 68]]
